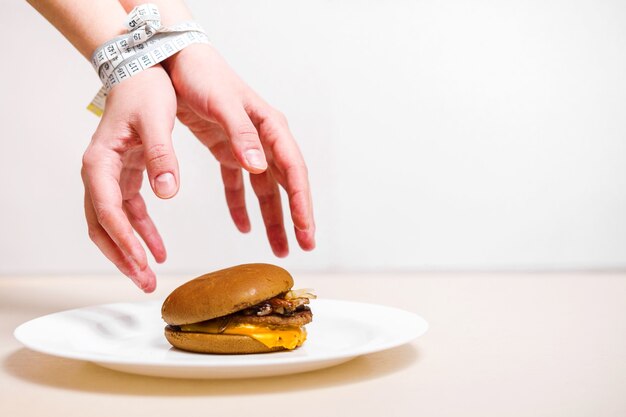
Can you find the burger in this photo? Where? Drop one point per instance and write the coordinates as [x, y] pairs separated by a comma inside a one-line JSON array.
[[247, 308]]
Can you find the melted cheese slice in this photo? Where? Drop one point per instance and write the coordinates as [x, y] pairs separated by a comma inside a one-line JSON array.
[[286, 337]]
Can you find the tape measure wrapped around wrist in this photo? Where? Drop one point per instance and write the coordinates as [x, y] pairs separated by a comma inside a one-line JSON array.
[[146, 44]]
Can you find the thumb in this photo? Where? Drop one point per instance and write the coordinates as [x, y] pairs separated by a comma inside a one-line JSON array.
[[160, 159]]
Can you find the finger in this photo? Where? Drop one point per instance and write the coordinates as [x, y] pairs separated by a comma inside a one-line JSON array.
[[296, 184], [140, 220], [291, 172], [145, 280], [266, 190], [244, 139], [235, 197], [101, 178], [161, 162]]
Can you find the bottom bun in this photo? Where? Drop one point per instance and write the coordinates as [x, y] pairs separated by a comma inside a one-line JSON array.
[[225, 344]]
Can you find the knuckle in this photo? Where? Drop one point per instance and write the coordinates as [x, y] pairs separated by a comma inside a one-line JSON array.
[[104, 214], [88, 163], [280, 118], [93, 234], [304, 169], [297, 195], [297, 170], [246, 132], [157, 154], [89, 158]]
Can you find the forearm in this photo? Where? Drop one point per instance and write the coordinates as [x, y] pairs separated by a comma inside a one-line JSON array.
[[86, 24], [172, 11]]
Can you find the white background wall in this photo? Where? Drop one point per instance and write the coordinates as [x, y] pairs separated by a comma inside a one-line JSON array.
[[439, 135]]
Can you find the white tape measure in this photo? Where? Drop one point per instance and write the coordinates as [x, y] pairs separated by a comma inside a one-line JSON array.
[[146, 44]]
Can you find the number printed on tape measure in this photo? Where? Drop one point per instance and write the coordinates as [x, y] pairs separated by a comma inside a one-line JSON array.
[[146, 44]]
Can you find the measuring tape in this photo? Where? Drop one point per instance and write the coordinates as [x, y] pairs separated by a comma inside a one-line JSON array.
[[146, 44]]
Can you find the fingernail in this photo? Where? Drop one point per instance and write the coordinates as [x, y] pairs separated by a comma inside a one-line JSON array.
[[165, 185], [255, 159]]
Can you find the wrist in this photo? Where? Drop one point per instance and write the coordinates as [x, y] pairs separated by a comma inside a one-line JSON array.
[[172, 63], [188, 57], [143, 80]]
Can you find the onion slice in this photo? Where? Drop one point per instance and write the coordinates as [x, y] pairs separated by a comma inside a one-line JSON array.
[[301, 293]]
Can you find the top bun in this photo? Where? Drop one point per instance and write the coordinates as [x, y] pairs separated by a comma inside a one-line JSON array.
[[224, 292]]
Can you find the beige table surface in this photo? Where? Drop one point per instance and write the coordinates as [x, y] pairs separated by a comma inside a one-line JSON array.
[[498, 345]]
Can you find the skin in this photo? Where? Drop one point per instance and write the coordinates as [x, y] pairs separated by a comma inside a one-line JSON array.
[[127, 142], [240, 129], [232, 121]]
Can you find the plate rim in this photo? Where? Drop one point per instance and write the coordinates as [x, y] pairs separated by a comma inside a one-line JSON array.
[[422, 326]]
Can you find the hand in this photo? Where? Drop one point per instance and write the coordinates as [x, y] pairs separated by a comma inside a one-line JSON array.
[[134, 134], [242, 131]]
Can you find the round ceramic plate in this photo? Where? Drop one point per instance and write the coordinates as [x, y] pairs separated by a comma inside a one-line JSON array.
[[129, 337]]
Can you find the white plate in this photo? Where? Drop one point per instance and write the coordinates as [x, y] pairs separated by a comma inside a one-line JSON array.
[[129, 337]]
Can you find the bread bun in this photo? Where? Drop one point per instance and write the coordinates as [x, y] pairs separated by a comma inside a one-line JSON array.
[[224, 292], [216, 343]]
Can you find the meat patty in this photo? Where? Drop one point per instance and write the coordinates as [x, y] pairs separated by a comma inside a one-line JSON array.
[[277, 305], [298, 319]]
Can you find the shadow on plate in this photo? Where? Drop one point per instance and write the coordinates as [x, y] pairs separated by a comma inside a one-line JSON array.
[[75, 375]]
